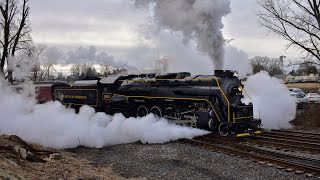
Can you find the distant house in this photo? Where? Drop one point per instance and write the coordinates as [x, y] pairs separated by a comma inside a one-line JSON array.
[[311, 78]]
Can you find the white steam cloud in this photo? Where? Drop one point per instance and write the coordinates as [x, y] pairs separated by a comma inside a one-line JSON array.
[[271, 100], [21, 65], [184, 57], [198, 20], [237, 60], [53, 125]]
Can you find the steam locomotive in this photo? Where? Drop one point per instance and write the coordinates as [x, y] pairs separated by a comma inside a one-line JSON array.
[[211, 102]]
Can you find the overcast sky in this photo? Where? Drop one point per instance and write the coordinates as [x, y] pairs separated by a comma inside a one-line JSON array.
[[115, 26]]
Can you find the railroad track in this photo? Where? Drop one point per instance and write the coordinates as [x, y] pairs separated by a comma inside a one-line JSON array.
[[294, 136], [290, 140], [289, 145], [243, 147], [296, 132]]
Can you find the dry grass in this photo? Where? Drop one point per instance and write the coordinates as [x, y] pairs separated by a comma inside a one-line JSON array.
[[308, 119], [69, 167], [72, 168], [307, 87]]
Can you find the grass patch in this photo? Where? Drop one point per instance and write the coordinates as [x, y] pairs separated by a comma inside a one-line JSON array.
[[306, 87]]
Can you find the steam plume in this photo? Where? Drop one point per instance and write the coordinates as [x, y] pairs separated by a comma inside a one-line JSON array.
[[199, 20], [53, 125], [271, 100]]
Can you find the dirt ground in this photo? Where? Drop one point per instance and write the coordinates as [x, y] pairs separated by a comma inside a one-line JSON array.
[[308, 119], [16, 162]]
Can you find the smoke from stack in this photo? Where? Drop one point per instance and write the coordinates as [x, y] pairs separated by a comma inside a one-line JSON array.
[[198, 20]]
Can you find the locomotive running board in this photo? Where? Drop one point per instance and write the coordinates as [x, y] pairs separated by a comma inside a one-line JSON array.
[[248, 134], [182, 121]]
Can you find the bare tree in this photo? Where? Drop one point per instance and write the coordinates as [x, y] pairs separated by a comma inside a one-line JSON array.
[[15, 30], [259, 63], [42, 63], [76, 71], [81, 71], [44, 72], [90, 71], [119, 71], [306, 68], [105, 70], [297, 21], [36, 52], [22, 35], [272, 65]]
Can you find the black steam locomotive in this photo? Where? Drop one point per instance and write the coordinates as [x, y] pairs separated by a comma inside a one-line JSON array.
[[207, 102]]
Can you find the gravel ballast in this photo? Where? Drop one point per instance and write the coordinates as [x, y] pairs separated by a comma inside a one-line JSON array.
[[179, 161]]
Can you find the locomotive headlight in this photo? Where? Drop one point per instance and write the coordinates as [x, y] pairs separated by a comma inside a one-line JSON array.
[[240, 88]]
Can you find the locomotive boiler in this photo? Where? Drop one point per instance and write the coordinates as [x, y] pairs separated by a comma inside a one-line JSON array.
[[211, 102]]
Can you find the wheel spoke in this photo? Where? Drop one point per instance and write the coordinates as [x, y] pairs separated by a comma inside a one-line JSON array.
[[142, 111], [156, 111]]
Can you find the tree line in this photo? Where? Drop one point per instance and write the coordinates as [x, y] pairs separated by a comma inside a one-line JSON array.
[[88, 71], [274, 66]]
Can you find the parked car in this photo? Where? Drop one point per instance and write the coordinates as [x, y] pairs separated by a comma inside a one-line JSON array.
[[299, 91], [313, 97], [300, 101]]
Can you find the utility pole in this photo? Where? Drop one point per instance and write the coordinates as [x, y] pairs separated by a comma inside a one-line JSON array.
[[281, 58]]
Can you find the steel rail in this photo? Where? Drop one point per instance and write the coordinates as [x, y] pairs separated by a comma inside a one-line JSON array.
[[260, 151], [276, 143], [295, 142], [316, 141], [282, 144], [296, 132], [314, 147], [307, 168], [313, 137]]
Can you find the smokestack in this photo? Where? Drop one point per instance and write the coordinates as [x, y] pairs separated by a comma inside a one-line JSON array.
[[223, 73]]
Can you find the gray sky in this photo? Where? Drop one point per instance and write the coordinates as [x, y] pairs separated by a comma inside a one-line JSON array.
[[116, 27], [241, 24]]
